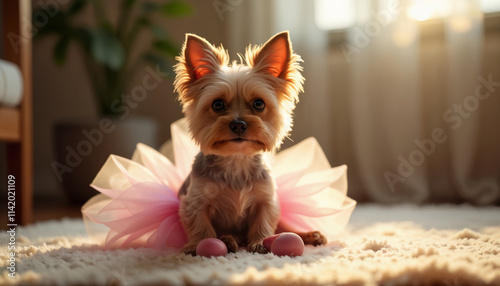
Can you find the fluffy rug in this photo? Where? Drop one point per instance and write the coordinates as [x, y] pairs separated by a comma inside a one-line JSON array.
[[433, 245]]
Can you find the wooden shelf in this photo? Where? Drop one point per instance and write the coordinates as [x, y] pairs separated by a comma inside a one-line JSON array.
[[10, 126], [16, 124]]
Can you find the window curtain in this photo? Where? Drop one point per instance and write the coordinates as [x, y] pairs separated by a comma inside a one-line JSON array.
[[411, 107]]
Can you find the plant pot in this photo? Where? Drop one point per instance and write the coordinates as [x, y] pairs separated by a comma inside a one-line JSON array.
[[83, 147]]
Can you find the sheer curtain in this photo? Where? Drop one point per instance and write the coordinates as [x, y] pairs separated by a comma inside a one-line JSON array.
[[412, 107], [464, 44]]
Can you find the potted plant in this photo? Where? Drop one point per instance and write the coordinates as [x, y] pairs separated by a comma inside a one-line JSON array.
[[107, 49]]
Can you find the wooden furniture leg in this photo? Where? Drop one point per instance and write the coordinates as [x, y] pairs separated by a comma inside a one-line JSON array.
[[17, 40]]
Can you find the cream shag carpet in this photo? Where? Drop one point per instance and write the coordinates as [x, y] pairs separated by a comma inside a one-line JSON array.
[[432, 245]]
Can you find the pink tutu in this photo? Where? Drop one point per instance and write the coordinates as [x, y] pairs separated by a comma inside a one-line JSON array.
[[138, 205]]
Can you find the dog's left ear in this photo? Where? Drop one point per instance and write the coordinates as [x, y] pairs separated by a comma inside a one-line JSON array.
[[274, 56]]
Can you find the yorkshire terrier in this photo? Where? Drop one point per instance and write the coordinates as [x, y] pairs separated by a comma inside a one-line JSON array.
[[235, 113]]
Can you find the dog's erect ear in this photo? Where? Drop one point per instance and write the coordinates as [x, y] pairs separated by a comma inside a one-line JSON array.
[[200, 57], [274, 56]]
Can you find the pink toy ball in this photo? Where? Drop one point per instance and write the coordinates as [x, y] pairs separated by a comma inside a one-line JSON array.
[[287, 244], [269, 241], [211, 247]]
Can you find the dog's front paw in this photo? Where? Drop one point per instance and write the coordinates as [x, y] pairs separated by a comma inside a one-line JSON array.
[[230, 242], [313, 238], [257, 247], [190, 249]]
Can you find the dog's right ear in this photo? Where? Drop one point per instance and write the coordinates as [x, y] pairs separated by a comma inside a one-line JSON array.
[[200, 57]]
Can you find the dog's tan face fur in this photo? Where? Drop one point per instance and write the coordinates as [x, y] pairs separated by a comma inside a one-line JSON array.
[[235, 112], [271, 77]]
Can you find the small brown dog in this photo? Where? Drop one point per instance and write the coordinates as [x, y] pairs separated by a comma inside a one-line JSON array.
[[235, 113]]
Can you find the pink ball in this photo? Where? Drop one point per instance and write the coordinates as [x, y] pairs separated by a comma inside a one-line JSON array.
[[288, 243], [269, 241], [211, 247]]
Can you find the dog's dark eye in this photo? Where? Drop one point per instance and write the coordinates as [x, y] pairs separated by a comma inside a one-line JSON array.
[[218, 105], [259, 105]]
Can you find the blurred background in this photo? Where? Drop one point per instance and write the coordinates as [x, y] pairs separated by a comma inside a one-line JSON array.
[[406, 93]]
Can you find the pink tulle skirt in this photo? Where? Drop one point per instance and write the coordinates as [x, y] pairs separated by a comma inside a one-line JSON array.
[[138, 204]]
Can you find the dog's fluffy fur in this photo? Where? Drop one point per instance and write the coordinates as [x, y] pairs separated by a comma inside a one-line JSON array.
[[235, 113]]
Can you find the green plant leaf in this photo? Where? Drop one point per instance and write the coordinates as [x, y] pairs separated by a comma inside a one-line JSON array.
[[106, 49], [166, 47], [148, 7], [143, 21], [158, 61], [76, 6], [84, 36], [158, 31], [129, 3], [176, 8], [61, 50], [58, 24]]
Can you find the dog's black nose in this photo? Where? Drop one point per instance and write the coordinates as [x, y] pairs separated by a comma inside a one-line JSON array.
[[238, 126]]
